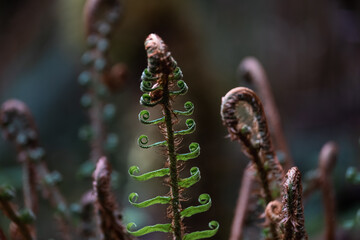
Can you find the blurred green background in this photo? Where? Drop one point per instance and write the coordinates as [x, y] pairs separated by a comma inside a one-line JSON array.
[[310, 50]]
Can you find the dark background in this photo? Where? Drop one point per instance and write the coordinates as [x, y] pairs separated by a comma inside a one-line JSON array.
[[310, 50]]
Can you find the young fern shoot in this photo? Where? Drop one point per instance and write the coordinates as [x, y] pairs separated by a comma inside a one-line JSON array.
[[109, 216], [243, 115], [292, 209], [100, 77], [20, 129], [159, 81]]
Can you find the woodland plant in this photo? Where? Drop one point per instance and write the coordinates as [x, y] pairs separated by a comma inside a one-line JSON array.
[[159, 82], [245, 118], [279, 193]]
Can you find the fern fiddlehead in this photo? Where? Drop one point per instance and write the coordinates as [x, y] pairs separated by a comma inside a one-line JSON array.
[[106, 204], [158, 82], [20, 129], [100, 76], [243, 115], [292, 207]]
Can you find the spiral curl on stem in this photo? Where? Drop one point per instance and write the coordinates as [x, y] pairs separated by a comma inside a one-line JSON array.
[[241, 109]]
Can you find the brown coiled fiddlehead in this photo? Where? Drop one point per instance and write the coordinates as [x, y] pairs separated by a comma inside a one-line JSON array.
[[159, 82], [243, 115], [19, 128]]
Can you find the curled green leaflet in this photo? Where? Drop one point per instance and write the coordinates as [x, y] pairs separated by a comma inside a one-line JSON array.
[[147, 76], [214, 227], [204, 200], [194, 178], [148, 86], [143, 140], [194, 153], [146, 176], [189, 109], [149, 229], [177, 74], [191, 126], [133, 197], [183, 88], [146, 100], [144, 116]]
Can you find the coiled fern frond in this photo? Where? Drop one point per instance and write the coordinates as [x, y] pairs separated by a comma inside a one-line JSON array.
[[161, 83], [243, 115], [20, 129]]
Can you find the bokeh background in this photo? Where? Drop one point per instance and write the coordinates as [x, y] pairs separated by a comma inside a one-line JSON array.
[[310, 50]]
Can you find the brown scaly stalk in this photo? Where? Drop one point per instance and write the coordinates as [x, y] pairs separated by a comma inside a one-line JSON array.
[[242, 203], [20, 228], [327, 161], [293, 210], [252, 70], [254, 136], [106, 206], [19, 127]]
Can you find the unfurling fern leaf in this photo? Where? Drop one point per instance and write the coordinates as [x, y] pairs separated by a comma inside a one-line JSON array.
[[243, 115], [161, 83]]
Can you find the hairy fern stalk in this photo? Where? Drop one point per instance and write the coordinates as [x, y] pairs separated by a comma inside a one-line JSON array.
[[161, 83]]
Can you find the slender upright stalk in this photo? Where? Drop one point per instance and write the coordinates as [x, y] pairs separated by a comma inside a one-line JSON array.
[[327, 160], [174, 178], [242, 203]]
